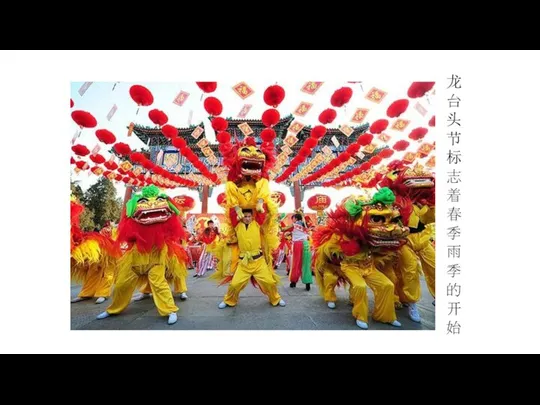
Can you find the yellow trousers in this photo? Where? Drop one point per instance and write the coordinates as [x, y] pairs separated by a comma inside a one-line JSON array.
[[126, 285], [420, 243], [98, 282], [330, 281], [179, 285], [260, 271], [405, 276], [383, 290]]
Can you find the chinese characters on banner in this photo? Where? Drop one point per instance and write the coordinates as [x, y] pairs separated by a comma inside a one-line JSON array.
[[453, 191]]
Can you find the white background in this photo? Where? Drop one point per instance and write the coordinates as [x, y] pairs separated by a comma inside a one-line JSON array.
[[500, 192]]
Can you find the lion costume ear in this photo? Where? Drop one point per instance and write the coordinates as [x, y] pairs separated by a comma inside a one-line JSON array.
[[131, 205], [173, 207]]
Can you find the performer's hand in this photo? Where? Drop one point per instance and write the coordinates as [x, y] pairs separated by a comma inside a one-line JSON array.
[[239, 213], [260, 206]]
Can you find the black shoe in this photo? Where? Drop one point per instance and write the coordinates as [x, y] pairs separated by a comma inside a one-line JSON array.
[[293, 285], [308, 287], [195, 276]]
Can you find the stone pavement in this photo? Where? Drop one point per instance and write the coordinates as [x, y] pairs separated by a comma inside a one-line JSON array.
[[304, 311]]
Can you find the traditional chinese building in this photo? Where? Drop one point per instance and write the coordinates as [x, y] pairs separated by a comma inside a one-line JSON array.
[[163, 153]]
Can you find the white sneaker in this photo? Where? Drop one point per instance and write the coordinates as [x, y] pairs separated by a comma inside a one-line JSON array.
[[103, 315], [396, 324], [173, 318], [183, 296], [101, 300], [332, 305], [362, 325], [414, 314], [282, 303], [78, 299], [222, 305], [140, 297]]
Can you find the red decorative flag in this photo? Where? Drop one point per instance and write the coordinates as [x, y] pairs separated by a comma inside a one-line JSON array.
[[84, 87], [181, 98], [112, 112], [400, 124], [409, 157], [303, 108], [420, 108], [359, 115], [243, 90], [347, 130], [244, 111], [197, 132], [311, 87], [245, 128], [296, 127], [376, 95]]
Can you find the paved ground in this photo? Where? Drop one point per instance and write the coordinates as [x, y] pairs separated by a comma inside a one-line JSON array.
[[304, 311]]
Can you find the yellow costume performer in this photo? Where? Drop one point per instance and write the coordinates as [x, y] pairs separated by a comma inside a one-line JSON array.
[[247, 194], [153, 231], [93, 259], [252, 264], [361, 233], [415, 197]]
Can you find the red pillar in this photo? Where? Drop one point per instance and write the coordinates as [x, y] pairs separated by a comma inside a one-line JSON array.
[[297, 194], [205, 199]]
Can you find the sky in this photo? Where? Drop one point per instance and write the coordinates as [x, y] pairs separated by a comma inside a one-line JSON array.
[[100, 98]]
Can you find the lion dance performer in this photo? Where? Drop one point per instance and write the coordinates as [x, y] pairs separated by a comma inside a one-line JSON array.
[[253, 215], [360, 233], [152, 230], [93, 259], [415, 196]]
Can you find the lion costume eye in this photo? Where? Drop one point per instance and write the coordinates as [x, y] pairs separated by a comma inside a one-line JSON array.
[[377, 219], [143, 200]]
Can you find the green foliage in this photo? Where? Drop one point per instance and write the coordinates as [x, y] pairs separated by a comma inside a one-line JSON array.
[[100, 204]]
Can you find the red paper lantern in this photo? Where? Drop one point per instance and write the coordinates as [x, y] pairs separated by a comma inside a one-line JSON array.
[[341, 97], [418, 89], [318, 132], [270, 117], [397, 108], [274, 95], [84, 119], [184, 203], [401, 145], [222, 200], [418, 133], [105, 136], [213, 106], [279, 198], [169, 131], [207, 87], [97, 159], [158, 117], [219, 124], [378, 126], [80, 150], [327, 116], [141, 95], [319, 202]]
